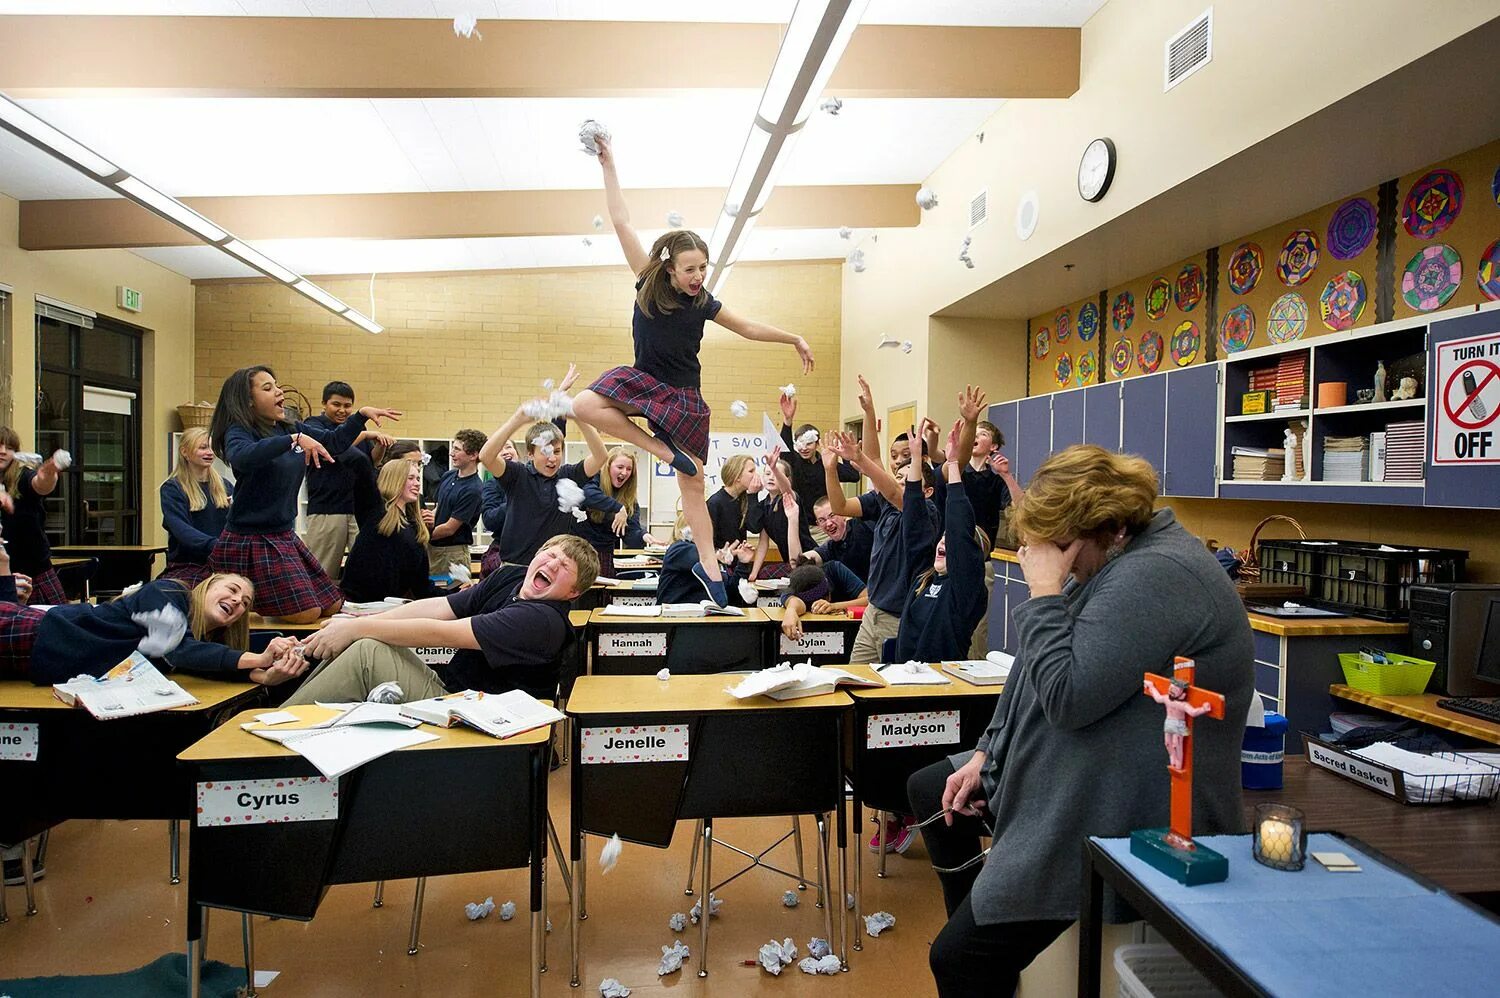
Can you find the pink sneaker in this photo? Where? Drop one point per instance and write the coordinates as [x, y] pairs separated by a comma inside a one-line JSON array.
[[900, 833]]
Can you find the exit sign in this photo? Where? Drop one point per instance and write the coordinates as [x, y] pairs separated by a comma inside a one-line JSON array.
[[128, 298]]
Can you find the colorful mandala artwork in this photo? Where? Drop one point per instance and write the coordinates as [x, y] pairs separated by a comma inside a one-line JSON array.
[[1431, 277], [1148, 354], [1043, 343], [1432, 203], [1351, 230], [1122, 313], [1245, 266], [1088, 366], [1088, 322], [1189, 289], [1158, 297], [1299, 257], [1488, 275], [1186, 342], [1064, 323], [1343, 300], [1287, 319], [1237, 329], [1063, 372], [1120, 357]]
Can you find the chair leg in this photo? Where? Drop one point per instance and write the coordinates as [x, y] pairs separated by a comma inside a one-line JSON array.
[[203, 949], [4, 913], [416, 917], [706, 899], [247, 930], [562, 859], [41, 846], [542, 968], [27, 875], [580, 877], [823, 876], [174, 845], [797, 841], [884, 824], [379, 894], [859, 876], [693, 863]]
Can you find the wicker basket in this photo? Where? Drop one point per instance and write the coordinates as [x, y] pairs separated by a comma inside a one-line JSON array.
[[1249, 565], [201, 414]]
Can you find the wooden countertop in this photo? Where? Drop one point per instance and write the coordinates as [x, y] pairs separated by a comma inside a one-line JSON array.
[[1424, 708], [1005, 554], [752, 616], [956, 687], [579, 618], [230, 741], [680, 694], [68, 562], [259, 623], [211, 693]]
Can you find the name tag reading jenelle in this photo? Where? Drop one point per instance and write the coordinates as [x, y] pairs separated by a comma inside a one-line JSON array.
[[18, 742], [638, 743], [264, 802]]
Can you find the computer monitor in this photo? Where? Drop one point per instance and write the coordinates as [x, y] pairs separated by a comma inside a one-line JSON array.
[[1487, 667]]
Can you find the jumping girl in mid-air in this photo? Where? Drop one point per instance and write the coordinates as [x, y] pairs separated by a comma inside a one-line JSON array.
[[671, 306]]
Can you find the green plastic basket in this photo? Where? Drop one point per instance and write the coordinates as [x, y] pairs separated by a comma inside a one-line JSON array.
[[1402, 676]]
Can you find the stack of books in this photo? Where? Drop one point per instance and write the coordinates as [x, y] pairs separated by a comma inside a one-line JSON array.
[[1404, 446], [1263, 379], [1291, 382], [1345, 459], [1256, 464]]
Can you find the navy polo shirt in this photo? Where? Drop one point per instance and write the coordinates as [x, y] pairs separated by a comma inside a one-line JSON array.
[[532, 517], [463, 498], [666, 342], [521, 642]]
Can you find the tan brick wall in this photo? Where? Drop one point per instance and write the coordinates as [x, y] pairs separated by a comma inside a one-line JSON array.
[[464, 350]]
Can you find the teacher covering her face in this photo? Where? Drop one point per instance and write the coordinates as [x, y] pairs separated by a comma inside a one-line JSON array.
[[1074, 748]]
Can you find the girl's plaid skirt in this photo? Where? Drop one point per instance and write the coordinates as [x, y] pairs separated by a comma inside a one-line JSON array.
[[188, 573], [287, 578], [677, 415], [18, 628], [47, 589], [491, 561]]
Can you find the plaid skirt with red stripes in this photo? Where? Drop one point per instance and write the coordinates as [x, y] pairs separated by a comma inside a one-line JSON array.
[[18, 628], [677, 415], [188, 573], [287, 578], [491, 561], [47, 589]]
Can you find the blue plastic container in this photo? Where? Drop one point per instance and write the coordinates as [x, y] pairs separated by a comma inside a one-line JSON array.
[[1262, 753]]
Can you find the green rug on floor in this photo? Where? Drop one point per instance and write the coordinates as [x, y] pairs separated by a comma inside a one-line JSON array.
[[164, 976]]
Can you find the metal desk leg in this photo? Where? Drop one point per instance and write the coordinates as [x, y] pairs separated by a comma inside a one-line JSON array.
[[41, 846], [883, 818], [247, 929], [574, 921], [797, 841], [843, 891], [379, 901], [542, 877], [859, 876], [416, 916], [580, 876], [196, 936], [693, 862], [174, 843], [26, 875], [203, 933], [706, 899], [538, 941], [824, 877], [4, 914], [1090, 927]]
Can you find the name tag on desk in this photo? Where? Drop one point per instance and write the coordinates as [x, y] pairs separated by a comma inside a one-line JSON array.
[[435, 656], [633, 601], [641, 644], [265, 802], [639, 743], [768, 602], [814, 643], [18, 742], [927, 727]]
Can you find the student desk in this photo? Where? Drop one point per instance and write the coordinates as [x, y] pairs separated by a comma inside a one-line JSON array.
[[259, 623], [120, 768], [624, 594], [826, 638], [466, 803], [641, 646], [744, 758], [881, 760], [120, 565], [1383, 931]]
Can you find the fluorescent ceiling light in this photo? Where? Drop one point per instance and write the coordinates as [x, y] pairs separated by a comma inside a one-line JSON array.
[[317, 294], [170, 208], [812, 46], [744, 172], [255, 258], [368, 325], [28, 126]]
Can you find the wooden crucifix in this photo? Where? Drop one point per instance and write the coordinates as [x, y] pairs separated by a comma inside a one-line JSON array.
[[1172, 850]]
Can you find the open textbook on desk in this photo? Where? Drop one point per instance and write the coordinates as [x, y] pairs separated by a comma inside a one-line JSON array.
[[132, 688], [793, 682], [500, 715]]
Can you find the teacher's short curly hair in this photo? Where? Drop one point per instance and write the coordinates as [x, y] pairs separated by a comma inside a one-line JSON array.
[[1086, 490]]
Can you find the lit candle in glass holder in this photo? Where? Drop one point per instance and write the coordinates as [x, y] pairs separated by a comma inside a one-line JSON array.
[[1280, 837]]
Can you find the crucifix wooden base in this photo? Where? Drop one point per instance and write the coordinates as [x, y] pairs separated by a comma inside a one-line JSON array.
[[1172, 850]]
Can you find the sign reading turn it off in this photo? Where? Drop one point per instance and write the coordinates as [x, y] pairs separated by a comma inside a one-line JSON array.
[[1467, 378]]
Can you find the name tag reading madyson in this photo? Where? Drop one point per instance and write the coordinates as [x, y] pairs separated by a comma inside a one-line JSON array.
[[928, 727], [264, 802], [639, 743], [18, 742]]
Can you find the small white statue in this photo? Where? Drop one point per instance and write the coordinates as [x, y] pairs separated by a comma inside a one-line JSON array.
[[1289, 443], [1380, 381], [1406, 390], [1307, 462]]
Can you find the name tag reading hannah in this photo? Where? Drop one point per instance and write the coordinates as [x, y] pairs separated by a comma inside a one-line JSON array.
[[264, 802], [929, 727], [643, 644], [18, 742], [640, 743]]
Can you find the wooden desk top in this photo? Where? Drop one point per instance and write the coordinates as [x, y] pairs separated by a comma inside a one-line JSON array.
[[776, 614], [955, 688], [640, 553], [579, 618], [1424, 708], [18, 694], [1005, 554], [229, 741], [680, 694], [597, 617], [68, 562], [1458, 847], [1318, 627], [123, 548], [259, 623]]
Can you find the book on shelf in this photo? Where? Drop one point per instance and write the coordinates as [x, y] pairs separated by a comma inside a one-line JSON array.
[[1377, 456]]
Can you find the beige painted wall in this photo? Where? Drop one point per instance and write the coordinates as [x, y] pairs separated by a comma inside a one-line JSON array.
[[88, 278], [990, 353]]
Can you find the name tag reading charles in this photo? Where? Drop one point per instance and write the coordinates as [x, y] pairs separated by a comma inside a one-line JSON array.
[[814, 643], [264, 802], [435, 656], [644, 644], [640, 743], [928, 727], [18, 742]]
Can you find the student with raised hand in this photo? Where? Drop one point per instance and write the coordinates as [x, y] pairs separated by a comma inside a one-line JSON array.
[[849, 541], [822, 589], [614, 514], [389, 556], [23, 520], [778, 512], [734, 510], [671, 307], [459, 502], [194, 508], [806, 463], [331, 520], [532, 514], [510, 631], [991, 489], [269, 455]]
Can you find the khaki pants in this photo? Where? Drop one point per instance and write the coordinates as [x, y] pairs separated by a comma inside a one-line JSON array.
[[328, 537], [979, 646], [439, 557], [363, 666], [873, 630]]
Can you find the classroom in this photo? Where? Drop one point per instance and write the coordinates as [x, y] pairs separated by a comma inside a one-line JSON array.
[[794, 497]]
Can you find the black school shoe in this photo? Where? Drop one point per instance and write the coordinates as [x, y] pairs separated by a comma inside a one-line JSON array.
[[14, 877]]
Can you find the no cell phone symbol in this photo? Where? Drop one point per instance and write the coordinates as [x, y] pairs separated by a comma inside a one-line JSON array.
[[1471, 392]]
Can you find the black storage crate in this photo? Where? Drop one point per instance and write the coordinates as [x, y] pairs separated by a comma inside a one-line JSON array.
[[1365, 578]]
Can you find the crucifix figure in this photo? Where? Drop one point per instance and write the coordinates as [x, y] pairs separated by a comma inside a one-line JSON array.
[[1172, 850]]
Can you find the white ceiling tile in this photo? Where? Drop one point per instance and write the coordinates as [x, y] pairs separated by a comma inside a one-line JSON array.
[[403, 8], [339, 8], [883, 141], [413, 130], [463, 135]]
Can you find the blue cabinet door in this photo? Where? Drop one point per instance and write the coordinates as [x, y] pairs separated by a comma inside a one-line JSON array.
[[1101, 415], [1067, 419], [1192, 431], [1143, 423], [1033, 436], [1003, 415], [1475, 486]]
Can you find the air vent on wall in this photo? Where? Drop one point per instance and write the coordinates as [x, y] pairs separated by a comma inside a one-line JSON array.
[[979, 208], [1189, 50]]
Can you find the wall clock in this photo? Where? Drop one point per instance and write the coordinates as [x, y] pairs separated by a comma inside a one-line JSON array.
[[1096, 170]]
